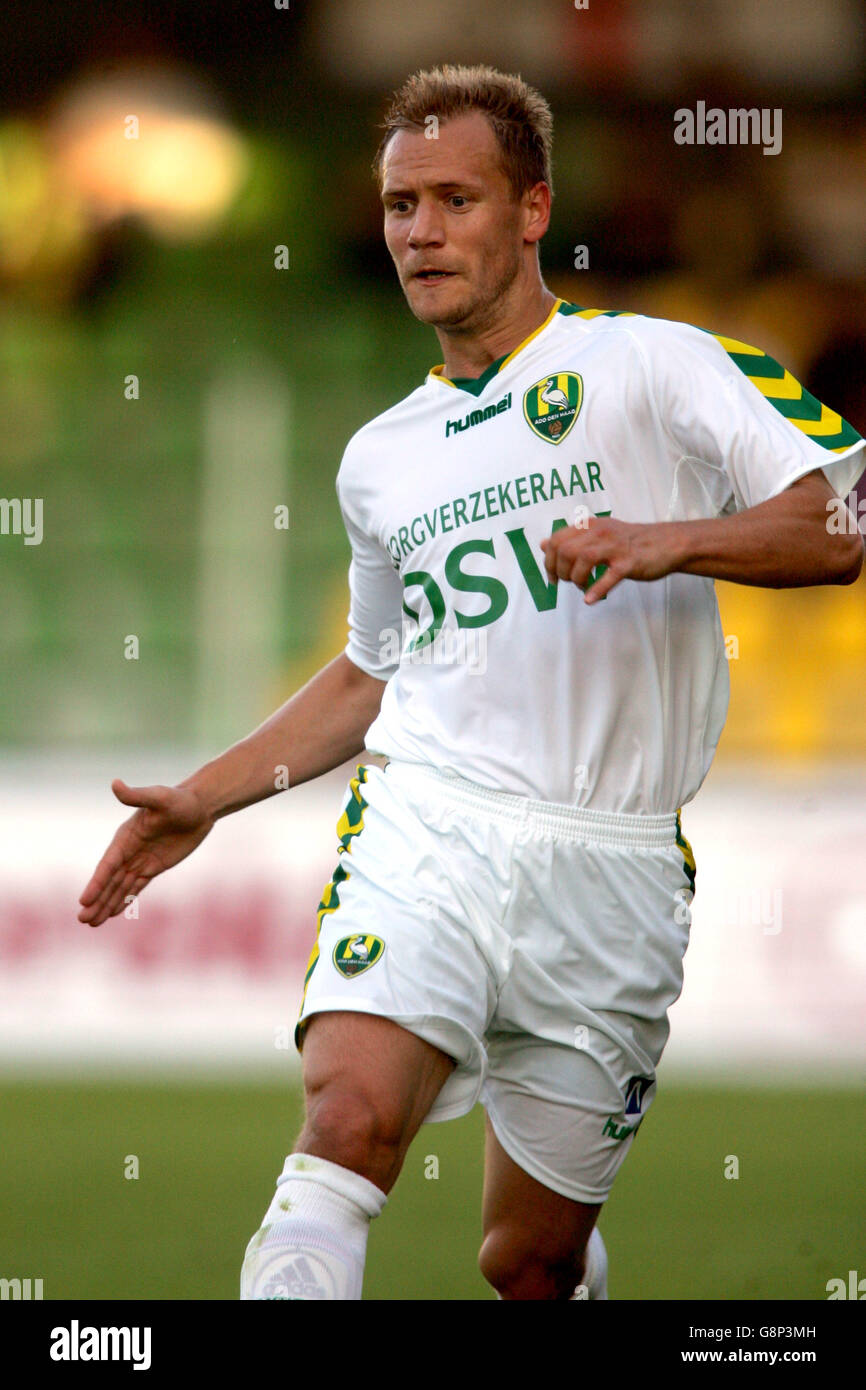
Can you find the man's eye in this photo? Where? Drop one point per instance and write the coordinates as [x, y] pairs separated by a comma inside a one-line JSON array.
[[458, 200]]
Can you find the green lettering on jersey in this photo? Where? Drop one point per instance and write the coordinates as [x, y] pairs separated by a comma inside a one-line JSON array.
[[543, 592], [593, 472], [556, 484], [476, 584], [434, 597]]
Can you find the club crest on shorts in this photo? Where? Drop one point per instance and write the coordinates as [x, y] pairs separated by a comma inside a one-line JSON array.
[[552, 405], [355, 954]]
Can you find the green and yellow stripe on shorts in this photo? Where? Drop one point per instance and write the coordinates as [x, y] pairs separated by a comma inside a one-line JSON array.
[[687, 852], [350, 824]]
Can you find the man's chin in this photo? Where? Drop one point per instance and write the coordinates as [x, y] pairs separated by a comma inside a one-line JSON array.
[[439, 310]]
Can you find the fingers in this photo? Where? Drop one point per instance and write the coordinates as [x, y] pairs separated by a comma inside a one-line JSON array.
[[93, 911], [121, 859], [130, 888], [573, 554], [134, 856], [152, 798], [113, 899], [111, 861], [602, 585]]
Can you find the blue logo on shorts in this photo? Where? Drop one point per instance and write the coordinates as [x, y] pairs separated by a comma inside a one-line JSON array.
[[634, 1093]]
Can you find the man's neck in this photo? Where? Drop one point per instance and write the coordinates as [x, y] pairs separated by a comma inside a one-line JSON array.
[[469, 352]]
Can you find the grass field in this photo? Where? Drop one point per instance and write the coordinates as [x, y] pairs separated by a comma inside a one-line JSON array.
[[208, 1155]]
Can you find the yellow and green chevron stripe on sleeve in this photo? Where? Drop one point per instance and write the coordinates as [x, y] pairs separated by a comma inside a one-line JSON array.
[[777, 385], [568, 309], [826, 427]]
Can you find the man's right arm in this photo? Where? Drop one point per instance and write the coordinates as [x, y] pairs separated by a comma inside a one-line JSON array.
[[319, 728], [316, 730]]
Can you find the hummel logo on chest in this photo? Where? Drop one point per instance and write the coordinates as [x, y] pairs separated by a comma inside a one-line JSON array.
[[477, 417]]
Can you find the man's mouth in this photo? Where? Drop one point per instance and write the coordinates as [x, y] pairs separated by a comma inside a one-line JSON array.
[[431, 276]]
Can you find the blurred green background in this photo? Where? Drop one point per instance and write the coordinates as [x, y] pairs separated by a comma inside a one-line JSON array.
[[675, 1227]]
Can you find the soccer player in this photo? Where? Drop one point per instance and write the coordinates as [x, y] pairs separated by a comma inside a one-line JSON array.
[[535, 667]]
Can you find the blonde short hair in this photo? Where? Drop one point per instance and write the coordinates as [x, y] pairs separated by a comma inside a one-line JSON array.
[[521, 118]]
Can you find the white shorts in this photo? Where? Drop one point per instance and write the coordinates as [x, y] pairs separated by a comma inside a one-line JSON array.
[[538, 945]]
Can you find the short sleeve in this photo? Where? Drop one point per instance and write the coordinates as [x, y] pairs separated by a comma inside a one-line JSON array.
[[375, 601], [743, 422]]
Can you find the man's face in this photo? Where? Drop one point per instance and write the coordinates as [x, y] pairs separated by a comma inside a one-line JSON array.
[[452, 224]]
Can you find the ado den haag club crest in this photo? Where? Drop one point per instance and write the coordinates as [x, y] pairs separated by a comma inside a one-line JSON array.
[[552, 405], [355, 954]]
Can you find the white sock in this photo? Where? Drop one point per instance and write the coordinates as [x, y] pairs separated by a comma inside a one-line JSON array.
[[594, 1285], [313, 1240]]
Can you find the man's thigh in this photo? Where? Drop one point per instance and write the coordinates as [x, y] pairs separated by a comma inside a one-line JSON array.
[[581, 1019], [534, 1237], [369, 1084], [395, 937], [568, 1115]]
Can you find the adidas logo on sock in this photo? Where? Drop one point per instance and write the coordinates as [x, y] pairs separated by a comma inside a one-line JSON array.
[[302, 1277]]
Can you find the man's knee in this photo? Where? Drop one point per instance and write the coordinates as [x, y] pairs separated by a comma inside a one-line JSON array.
[[523, 1265], [369, 1084], [356, 1130]]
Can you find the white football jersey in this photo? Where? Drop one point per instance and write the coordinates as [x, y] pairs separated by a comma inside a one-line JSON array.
[[500, 676]]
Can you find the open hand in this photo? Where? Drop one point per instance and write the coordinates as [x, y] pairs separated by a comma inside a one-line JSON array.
[[168, 825]]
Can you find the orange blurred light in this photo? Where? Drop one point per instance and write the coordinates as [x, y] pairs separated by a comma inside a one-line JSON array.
[[137, 145]]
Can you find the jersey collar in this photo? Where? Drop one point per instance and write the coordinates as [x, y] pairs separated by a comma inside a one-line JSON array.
[[475, 385]]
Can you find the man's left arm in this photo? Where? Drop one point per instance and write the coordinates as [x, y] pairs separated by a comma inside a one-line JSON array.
[[784, 542]]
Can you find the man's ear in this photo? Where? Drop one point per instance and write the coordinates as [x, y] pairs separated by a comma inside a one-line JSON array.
[[537, 201]]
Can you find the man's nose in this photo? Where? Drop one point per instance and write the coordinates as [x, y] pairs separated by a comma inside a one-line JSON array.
[[427, 227]]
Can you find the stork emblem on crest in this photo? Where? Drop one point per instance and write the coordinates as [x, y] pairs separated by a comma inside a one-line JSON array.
[[355, 954], [551, 406]]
